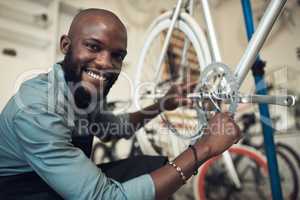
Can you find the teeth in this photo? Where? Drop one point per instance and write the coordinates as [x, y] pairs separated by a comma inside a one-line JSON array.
[[95, 76]]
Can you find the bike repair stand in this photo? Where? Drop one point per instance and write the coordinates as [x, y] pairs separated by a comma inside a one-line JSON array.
[[258, 73]]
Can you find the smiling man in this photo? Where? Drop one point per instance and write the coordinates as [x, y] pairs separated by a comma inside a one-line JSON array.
[[38, 159], [94, 50]]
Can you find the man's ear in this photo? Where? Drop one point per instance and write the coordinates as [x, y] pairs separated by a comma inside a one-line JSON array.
[[65, 44]]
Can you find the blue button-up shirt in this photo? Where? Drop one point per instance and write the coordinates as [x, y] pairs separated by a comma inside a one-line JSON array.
[[36, 129]]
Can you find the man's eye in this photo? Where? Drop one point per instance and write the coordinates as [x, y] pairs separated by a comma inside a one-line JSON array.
[[118, 56], [94, 47]]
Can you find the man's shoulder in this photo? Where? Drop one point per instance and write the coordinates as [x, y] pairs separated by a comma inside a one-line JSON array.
[[46, 92], [34, 91], [31, 93], [43, 89]]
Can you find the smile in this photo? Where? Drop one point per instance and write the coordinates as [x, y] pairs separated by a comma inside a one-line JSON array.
[[95, 75]]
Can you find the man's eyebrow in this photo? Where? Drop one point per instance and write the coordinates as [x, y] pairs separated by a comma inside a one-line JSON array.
[[122, 51], [94, 40]]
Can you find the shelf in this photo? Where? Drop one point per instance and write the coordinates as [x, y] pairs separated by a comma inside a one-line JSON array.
[[20, 33], [37, 18]]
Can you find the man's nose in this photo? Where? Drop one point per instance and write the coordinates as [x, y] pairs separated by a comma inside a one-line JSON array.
[[103, 60]]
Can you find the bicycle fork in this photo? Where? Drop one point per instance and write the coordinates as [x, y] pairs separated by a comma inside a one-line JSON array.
[[231, 169]]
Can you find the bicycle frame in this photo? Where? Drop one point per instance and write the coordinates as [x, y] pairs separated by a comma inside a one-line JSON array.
[[250, 55], [248, 58], [258, 39], [255, 44]]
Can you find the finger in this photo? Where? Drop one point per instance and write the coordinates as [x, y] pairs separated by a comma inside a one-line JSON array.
[[227, 116], [238, 139], [208, 105], [188, 87], [239, 132], [184, 101]]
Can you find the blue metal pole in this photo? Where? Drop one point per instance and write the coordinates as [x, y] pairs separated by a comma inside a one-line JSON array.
[[266, 123]]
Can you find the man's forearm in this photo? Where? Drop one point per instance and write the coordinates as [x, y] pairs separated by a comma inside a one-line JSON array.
[[142, 117], [221, 133], [167, 180]]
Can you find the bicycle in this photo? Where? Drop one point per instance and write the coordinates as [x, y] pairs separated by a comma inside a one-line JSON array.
[[196, 37], [216, 83]]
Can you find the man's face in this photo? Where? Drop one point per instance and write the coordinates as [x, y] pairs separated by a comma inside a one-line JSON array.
[[94, 58]]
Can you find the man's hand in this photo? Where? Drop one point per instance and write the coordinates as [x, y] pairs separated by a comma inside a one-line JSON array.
[[177, 96], [222, 133]]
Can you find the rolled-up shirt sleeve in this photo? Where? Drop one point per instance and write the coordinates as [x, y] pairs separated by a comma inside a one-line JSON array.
[[46, 144]]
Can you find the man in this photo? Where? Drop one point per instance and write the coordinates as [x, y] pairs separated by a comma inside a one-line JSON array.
[[37, 158]]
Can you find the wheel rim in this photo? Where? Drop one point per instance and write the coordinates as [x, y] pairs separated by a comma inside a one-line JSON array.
[[200, 190], [141, 135]]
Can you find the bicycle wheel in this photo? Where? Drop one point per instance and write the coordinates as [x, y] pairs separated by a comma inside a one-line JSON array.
[[152, 81], [294, 156], [213, 182], [291, 151], [288, 175]]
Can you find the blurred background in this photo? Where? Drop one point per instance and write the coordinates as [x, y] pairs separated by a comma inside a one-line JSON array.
[[30, 31]]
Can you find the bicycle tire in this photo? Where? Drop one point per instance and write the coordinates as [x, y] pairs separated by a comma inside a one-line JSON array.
[[294, 182], [290, 185], [291, 151], [193, 32], [296, 157], [201, 190]]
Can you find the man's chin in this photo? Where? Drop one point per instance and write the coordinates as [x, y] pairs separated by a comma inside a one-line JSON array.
[[96, 95], [84, 96]]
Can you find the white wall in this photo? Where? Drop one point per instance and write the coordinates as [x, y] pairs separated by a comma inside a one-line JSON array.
[[29, 56]]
